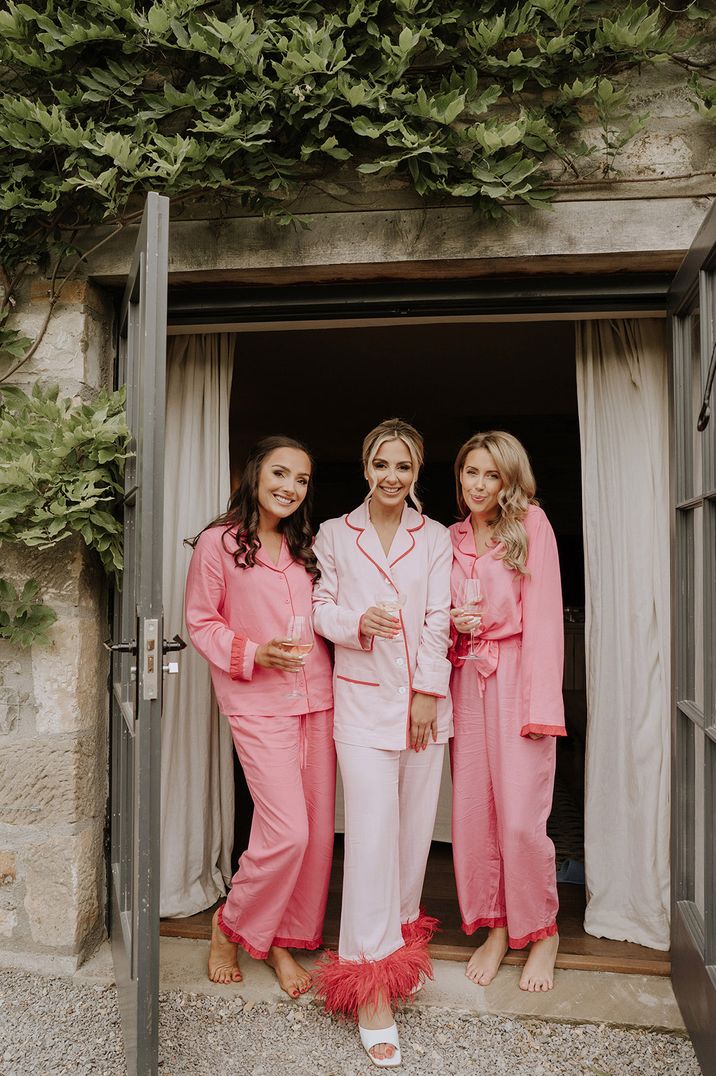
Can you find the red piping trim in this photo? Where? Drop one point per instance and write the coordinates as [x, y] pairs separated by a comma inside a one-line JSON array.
[[544, 730], [536, 935], [410, 680], [470, 928], [365, 683], [373, 562], [236, 667], [411, 531], [463, 530]]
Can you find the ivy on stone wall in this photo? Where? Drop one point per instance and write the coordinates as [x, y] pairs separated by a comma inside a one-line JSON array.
[[61, 470], [23, 619]]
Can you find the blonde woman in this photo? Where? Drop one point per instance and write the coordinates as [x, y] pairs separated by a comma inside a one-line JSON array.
[[507, 654], [384, 601]]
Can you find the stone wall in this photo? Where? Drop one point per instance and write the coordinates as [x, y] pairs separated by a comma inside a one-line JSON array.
[[53, 700]]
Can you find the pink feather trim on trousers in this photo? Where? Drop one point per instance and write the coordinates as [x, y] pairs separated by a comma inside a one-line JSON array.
[[344, 986], [421, 929]]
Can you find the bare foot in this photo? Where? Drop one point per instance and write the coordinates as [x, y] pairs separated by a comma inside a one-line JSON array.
[[373, 1018], [484, 963], [222, 955], [538, 972], [292, 977]]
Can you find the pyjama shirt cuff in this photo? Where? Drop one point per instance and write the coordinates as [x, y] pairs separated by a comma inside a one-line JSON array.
[[243, 652], [543, 730]]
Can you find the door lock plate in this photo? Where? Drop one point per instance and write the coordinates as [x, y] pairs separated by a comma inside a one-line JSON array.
[[152, 660]]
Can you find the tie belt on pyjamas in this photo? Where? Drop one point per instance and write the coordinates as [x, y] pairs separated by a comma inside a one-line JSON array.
[[487, 656]]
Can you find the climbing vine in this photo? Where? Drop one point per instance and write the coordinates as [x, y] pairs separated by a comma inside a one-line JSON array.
[[242, 107], [246, 104]]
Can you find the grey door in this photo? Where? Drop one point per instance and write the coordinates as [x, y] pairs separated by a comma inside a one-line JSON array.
[[692, 308], [137, 650]]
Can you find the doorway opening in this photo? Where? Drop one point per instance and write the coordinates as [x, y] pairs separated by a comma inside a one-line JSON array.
[[327, 387]]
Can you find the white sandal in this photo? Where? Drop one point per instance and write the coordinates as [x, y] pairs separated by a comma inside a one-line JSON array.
[[370, 1037]]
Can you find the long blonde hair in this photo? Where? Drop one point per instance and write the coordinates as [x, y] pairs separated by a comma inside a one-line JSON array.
[[515, 497], [394, 429]]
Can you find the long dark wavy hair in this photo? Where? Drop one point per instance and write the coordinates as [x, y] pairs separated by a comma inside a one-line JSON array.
[[241, 518]]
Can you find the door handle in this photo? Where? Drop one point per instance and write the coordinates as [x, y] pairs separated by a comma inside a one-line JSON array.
[[120, 648], [177, 643]]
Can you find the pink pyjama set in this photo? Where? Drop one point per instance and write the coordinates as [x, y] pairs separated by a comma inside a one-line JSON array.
[[502, 779], [278, 894]]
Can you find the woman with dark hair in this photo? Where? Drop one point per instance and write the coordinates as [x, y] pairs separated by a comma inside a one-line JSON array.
[[250, 581], [506, 686]]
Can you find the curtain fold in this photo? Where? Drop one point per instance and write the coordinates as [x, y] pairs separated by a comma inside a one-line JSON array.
[[197, 793], [623, 415]]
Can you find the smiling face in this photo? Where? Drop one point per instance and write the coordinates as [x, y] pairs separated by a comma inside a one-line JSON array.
[[481, 483], [282, 484], [390, 474]]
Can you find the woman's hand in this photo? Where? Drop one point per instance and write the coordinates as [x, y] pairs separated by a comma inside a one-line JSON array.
[[465, 622], [535, 735], [423, 720], [274, 655], [376, 621]]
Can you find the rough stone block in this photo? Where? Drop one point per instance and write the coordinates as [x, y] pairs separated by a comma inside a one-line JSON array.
[[8, 867], [62, 877], [59, 356], [69, 577], [8, 922], [73, 292], [66, 676], [55, 781], [16, 702]]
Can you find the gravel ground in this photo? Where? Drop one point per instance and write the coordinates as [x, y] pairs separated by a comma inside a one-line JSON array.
[[49, 1027]]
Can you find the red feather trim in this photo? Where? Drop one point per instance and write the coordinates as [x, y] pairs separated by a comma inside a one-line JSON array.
[[421, 929], [344, 986]]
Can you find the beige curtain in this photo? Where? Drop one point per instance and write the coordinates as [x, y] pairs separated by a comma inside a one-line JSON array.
[[197, 798], [623, 415]]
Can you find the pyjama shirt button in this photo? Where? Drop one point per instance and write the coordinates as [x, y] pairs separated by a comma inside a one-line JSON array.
[[401, 690], [399, 661]]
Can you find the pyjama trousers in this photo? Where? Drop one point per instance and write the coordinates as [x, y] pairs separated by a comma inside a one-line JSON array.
[[502, 797], [278, 894], [390, 803]]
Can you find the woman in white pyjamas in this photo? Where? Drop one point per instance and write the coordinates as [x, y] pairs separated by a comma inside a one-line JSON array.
[[392, 719]]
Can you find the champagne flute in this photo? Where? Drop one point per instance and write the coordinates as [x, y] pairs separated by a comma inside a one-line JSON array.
[[470, 598], [299, 642], [390, 601]]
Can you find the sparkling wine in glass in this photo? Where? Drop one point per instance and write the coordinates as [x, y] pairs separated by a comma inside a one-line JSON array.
[[298, 643], [471, 603], [390, 601]]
